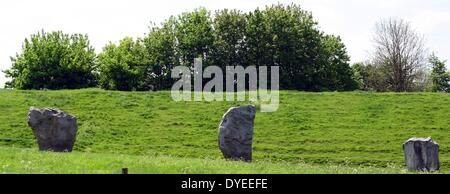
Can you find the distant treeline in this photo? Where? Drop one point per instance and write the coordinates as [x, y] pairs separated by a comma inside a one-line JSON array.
[[280, 35]]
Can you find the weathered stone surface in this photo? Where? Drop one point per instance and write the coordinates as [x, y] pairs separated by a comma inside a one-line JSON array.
[[421, 154], [54, 130], [236, 133]]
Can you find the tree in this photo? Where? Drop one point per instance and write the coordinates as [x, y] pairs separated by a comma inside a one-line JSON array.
[[161, 45], [294, 44], [370, 77], [440, 78], [399, 50], [357, 75], [279, 35], [289, 37], [122, 67], [54, 61], [229, 33], [194, 35], [338, 75], [256, 39], [422, 82]]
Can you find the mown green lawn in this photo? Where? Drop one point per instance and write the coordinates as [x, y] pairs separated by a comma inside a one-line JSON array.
[[319, 129]]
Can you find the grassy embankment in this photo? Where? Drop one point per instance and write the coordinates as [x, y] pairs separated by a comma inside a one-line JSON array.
[[150, 133]]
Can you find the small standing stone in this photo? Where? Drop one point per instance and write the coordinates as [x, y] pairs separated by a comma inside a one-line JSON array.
[[54, 130], [421, 154], [236, 133]]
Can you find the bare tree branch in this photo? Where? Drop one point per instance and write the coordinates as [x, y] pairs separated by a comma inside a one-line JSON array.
[[400, 51]]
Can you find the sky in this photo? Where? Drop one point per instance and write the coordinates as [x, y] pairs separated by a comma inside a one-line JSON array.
[[111, 20]]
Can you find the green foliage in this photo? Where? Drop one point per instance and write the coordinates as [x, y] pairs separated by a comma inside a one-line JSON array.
[[123, 66], [288, 36], [229, 32], [357, 75], [440, 78], [195, 36], [370, 77], [160, 44], [53, 61], [256, 39], [338, 73], [279, 35], [342, 128], [294, 45]]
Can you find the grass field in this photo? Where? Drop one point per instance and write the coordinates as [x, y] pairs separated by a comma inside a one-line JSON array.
[[16, 160], [310, 133]]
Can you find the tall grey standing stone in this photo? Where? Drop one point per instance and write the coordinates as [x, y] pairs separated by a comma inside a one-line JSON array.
[[421, 154], [236, 133], [54, 130]]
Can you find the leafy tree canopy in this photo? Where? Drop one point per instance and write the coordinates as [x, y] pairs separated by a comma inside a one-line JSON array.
[[54, 61]]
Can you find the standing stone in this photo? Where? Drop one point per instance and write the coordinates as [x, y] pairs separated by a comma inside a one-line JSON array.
[[421, 154], [236, 133], [54, 130]]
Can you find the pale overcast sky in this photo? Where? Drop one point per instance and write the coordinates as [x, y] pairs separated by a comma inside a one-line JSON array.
[[111, 20]]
